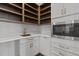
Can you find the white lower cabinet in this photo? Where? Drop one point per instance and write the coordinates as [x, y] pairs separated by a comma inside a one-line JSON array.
[[29, 47], [61, 47], [45, 45], [35, 46], [7, 49], [25, 49]]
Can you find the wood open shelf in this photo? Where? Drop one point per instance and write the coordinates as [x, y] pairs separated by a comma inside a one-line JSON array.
[[30, 17], [27, 12], [46, 18], [10, 17], [18, 5], [45, 6], [31, 20], [31, 13], [32, 9], [32, 6], [45, 13], [46, 21], [8, 8], [9, 11]]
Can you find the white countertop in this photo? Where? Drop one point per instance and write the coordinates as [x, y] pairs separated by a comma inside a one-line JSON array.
[[12, 38], [43, 35], [7, 39]]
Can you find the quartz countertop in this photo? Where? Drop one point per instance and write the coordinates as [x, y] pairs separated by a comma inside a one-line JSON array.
[[12, 38]]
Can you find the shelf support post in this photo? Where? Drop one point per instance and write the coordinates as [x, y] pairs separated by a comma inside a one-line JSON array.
[[23, 12], [39, 15]]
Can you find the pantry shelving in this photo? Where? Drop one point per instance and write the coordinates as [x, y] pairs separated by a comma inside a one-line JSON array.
[[45, 13], [45, 8], [31, 12], [30, 5], [18, 5], [12, 13], [10, 9], [28, 12]]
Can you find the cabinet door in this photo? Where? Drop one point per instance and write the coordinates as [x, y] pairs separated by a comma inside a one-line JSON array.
[[64, 9], [35, 46], [65, 47], [7, 49], [25, 49], [72, 8], [57, 10], [45, 45]]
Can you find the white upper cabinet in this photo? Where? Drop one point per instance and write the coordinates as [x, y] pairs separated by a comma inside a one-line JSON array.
[[57, 10], [72, 8], [62, 9]]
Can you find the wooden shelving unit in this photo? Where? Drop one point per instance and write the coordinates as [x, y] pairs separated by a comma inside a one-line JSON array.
[[11, 10], [33, 6], [31, 13], [18, 5], [25, 11], [28, 12], [45, 13]]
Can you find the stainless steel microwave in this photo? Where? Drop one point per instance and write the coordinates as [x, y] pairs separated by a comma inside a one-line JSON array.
[[71, 29]]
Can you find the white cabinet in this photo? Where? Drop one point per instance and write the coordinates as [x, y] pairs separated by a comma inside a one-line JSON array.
[[57, 10], [62, 9], [35, 46], [45, 45], [30, 46], [17, 47], [72, 8], [25, 49], [7, 49], [63, 47]]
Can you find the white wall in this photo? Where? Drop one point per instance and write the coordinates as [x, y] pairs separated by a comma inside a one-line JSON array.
[[45, 29], [15, 29], [32, 28]]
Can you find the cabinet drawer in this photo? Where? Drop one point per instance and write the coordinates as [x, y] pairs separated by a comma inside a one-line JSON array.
[[55, 50]]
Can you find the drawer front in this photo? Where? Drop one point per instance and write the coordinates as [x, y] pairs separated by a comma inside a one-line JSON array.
[[67, 48]]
